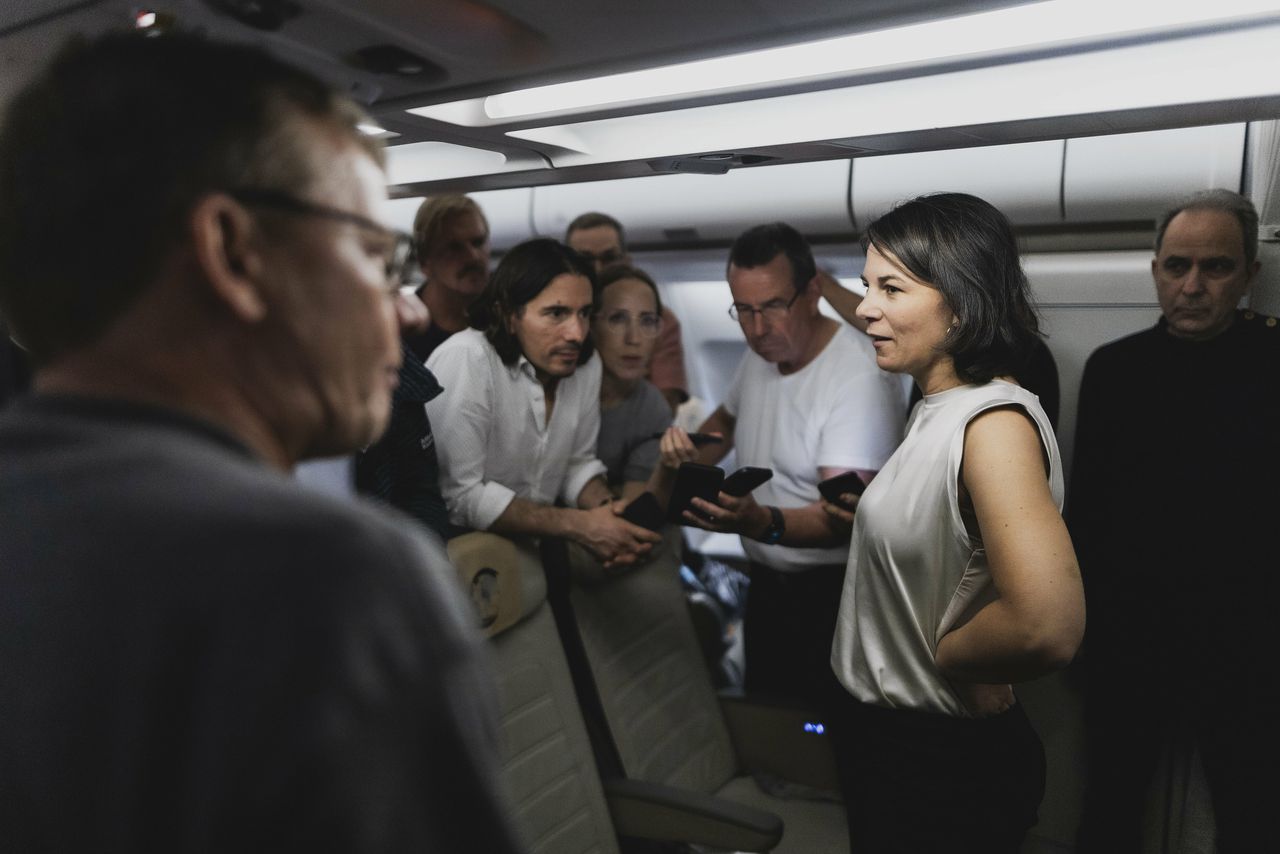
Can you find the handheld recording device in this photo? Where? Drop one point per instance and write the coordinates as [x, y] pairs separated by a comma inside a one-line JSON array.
[[693, 480], [833, 487], [744, 480]]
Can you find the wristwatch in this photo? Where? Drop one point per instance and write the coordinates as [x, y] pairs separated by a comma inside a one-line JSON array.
[[777, 527]]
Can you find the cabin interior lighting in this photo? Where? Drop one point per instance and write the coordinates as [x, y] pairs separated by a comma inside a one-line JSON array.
[[436, 161], [1076, 23], [376, 130], [1230, 66]]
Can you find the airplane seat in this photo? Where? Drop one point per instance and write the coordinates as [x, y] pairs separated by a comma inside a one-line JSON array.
[[562, 804], [547, 762], [666, 720]]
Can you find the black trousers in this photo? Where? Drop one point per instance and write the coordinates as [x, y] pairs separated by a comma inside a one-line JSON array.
[[920, 783], [790, 620], [1128, 722]]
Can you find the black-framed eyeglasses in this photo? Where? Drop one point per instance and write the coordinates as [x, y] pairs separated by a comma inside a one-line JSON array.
[[772, 311], [399, 246]]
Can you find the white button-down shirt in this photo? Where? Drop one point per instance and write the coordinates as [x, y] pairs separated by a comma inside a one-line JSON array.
[[493, 438]]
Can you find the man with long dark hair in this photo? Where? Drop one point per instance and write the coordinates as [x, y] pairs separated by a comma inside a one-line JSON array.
[[516, 426]]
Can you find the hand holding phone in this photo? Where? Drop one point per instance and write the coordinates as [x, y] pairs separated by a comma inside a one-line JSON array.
[[833, 487], [693, 480]]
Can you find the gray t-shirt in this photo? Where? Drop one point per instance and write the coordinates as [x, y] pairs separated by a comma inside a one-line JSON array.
[[202, 655], [625, 446]]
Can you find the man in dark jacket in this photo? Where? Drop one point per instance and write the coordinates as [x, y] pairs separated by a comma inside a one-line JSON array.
[[1173, 506]]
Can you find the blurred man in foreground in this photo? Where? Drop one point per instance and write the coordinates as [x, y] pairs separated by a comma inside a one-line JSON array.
[[198, 654]]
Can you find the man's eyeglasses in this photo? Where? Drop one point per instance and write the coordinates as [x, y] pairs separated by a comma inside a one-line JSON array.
[[399, 246], [773, 311], [647, 324]]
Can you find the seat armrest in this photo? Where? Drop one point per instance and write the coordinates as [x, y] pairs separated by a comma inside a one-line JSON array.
[[665, 813], [781, 739]]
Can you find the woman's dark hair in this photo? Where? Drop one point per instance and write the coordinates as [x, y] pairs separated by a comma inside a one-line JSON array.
[[617, 273], [522, 274], [965, 248]]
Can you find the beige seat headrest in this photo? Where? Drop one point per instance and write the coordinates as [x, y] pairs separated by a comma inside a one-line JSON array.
[[504, 579]]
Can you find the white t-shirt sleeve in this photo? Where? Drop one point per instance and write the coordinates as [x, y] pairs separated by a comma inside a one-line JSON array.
[[865, 421], [733, 396]]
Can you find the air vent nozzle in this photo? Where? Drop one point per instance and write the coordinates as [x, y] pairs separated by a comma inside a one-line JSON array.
[[392, 60], [268, 15]]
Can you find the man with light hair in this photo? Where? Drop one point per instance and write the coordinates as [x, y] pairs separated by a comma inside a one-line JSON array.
[[452, 238], [402, 468]]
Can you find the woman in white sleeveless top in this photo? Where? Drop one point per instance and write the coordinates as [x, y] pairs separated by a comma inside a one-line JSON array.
[[961, 578]]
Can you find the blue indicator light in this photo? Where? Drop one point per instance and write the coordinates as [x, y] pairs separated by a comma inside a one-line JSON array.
[[816, 728]]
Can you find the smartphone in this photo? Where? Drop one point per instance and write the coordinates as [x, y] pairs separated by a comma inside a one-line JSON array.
[[693, 480], [744, 480], [645, 511], [833, 487]]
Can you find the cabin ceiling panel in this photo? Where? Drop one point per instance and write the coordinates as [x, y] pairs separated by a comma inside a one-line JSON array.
[[487, 45], [20, 13]]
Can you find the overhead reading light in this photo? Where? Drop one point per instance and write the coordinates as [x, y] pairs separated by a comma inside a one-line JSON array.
[[394, 60], [151, 22], [1044, 24]]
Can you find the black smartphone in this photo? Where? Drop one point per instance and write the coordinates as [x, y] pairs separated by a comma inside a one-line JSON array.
[[833, 487], [645, 511], [744, 480], [693, 480], [698, 439]]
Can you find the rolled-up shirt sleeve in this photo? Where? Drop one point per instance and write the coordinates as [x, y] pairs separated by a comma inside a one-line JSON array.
[[583, 463], [460, 419]]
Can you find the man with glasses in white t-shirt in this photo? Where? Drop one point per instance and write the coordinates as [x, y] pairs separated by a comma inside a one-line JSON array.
[[808, 402]]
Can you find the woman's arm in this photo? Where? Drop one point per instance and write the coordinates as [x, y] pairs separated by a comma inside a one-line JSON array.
[[1035, 624]]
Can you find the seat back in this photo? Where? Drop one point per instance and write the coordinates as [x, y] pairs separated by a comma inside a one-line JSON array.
[[650, 672], [546, 757]]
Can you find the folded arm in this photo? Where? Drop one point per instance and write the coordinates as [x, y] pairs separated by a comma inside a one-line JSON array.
[[1036, 621]]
